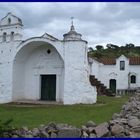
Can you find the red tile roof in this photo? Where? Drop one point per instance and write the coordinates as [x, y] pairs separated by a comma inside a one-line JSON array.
[[107, 61], [112, 61], [134, 60]]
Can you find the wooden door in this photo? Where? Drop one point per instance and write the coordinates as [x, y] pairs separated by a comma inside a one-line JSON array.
[[48, 87], [113, 85]]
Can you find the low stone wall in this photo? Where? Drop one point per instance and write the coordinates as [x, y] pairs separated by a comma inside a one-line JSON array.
[[124, 124], [51, 130], [123, 92]]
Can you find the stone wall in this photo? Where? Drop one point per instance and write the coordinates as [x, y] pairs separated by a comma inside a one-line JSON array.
[[124, 124]]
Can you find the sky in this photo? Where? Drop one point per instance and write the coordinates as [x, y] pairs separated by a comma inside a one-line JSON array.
[[99, 23]]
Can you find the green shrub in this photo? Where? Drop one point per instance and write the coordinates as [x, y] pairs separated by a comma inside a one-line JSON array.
[[5, 128]]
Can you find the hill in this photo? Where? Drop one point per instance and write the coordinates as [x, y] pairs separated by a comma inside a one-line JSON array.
[[111, 50]]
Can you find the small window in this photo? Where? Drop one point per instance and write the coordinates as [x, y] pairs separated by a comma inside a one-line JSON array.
[[48, 51], [12, 36], [133, 79], [122, 65], [9, 20], [4, 37]]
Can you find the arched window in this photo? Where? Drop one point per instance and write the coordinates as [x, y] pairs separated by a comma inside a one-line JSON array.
[[4, 37], [133, 79], [9, 20], [12, 36]]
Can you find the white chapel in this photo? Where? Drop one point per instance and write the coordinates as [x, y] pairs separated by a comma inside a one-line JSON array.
[[44, 67]]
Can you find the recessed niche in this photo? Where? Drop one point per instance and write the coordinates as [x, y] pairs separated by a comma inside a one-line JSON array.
[[48, 51]]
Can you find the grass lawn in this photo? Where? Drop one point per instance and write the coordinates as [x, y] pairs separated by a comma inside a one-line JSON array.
[[77, 115]]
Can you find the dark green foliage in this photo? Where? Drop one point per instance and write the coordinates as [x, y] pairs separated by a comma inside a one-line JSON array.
[[99, 47], [90, 49], [112, 46], [98, 54], [5, 128], [111, 50]]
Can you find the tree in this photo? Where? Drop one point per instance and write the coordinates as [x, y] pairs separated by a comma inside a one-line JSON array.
[[108, 46], [130, 45], [112, 46], [98, 54], [90, 49], [99, 47]]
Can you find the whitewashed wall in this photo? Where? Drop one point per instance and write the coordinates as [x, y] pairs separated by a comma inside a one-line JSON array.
[[31, 64], [135, 70], [77, 88], [6, 53], [122, 78], [106, 73], [18, 71]]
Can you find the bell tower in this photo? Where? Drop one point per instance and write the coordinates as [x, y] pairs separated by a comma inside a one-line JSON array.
[[77, 87], [10, 28]]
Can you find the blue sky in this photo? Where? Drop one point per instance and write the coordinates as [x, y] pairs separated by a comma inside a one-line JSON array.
[[99, 23]]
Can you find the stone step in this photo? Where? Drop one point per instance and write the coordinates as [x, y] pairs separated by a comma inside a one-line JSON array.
[[101, 88]]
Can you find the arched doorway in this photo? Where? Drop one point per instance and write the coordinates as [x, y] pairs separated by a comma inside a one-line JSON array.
[[112, 85], [38, 73]]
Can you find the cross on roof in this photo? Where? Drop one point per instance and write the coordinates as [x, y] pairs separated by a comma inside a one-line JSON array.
[[72, 20]]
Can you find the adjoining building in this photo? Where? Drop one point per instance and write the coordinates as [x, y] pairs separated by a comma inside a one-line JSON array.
[[120, 75]]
